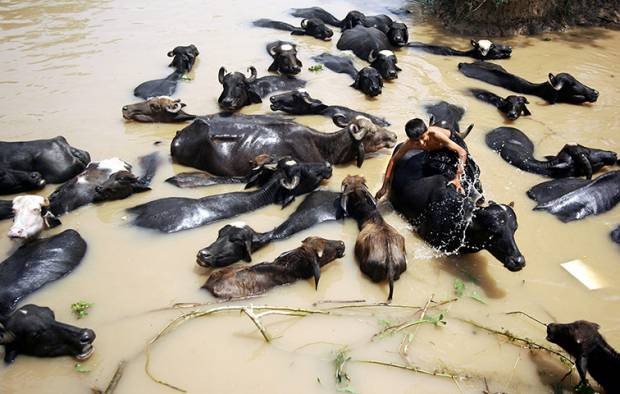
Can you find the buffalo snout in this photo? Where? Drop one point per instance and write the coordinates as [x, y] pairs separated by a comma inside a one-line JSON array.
[[515, 263]]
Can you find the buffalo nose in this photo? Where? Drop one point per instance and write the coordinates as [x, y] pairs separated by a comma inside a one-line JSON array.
[[98, 189], [272, 99], [16, 233], [515, 263], [87, 336], [204, 258], [125, 108]]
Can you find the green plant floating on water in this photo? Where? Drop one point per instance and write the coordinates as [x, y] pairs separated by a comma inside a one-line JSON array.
[[80, 308], [343, 381], [478, 297], [459, 287], [316, 68], [80, 368]]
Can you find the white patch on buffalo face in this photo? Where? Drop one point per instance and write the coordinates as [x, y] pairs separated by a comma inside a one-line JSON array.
[[28, 221], [113, 165], [484, 46], [302, 90], [286, 47], [290, 162], [386, 53], [238, 224], [361, 117]]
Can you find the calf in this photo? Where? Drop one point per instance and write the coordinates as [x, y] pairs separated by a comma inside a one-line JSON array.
[[284, 56], [31, 217], [157, 109], [379, 248], [511, 106], [183, 58], [302, 263], [33, 330], [592, 353]]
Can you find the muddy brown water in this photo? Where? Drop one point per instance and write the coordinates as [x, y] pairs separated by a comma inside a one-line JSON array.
[[69, 67]]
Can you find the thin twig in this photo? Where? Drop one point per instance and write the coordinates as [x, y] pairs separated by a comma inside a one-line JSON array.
[[320, 302], [525, 314], [408, 368], [258, 324], [407, 339]]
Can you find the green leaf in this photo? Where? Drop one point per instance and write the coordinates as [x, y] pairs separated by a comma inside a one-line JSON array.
[[80, 308], [459, 287], [384, 323], [478, 297], [316, 68], [347, 389], [80, 368]]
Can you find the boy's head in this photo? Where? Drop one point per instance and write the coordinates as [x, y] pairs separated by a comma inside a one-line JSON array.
[[415, 128]]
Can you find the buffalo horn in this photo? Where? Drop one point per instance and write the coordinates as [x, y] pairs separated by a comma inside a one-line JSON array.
[[372, 56], [340, 120], [304, 23], [252, 71], [357, 133], [290, 185], [220, 75], [465, 133], [555, 85]]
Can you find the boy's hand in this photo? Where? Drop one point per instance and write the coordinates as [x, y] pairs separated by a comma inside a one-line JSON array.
[[380, 193], [457, 184]]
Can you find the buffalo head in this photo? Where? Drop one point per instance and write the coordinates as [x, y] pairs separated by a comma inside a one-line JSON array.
[[513, 106], [368, 81], [574, 337], [183, 57], [31, 216], [489, 50], [568, 89], [285, 59], [234, 242], [15, 181], [119, 185], [586, 160], [323, 251], [34, 331], [398, 34], [352, 19], [367, 137], [385, 62], [296, 102], [157, 109], [493, 228], [316, 28], [237, 91]]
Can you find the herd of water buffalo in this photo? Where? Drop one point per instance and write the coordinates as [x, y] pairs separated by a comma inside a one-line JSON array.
[[280, 159]]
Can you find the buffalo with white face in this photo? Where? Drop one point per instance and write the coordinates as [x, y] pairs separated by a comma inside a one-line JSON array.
[[162, 109], [31, 217]]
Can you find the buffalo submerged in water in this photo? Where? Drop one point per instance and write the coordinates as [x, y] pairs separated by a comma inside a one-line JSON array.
[[228, 145]]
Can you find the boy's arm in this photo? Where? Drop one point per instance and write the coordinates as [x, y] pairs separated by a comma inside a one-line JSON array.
[[400, 152], [462, 153]]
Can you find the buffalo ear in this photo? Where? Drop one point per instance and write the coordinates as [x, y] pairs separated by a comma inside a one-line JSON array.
[[273, 67], [10, 354], [51, 220], [511, 204], [247, 251], [344, 199], [254, 97], [139, 187], [398, 68], [360, 154], [316, 270], [6, 336], [526, 111], [356, 83]]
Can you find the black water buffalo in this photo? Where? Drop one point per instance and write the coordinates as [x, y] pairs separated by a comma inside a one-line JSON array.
[[582, 340], [37, 263], [367, 80], [227, 145], [239, 90], [16, 181], [158, 87], [512, 106], [183, 58], [238, 241], [157, 109], [373, 46], [299, 102], [396, 32], [54, 158], [304, 262], [446, 219], [448, 116], [560, 88], [33, 330], [481, 50], [574, 199], [615, 235], [284, 56], [6, 209], [379, 248], [573, 160], [309, 27], [279, 185], [109, 179]]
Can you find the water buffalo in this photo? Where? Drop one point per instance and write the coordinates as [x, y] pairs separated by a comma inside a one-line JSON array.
[[592, 353], [373, 46], [106, 180], [309, 27], [574, 199], [301, 263], [512, 106], [31, 217], [379, 248], [284, 56], [481, 50], [446, 219], [239, 90], [560, 88], [448, 116], [238, 241], [573, 160], [33, 330], [226, 145], [158, 87], [299, 102], [37, 263], [157, 109], [16, 181], [615, 235], [280, 186], [397, 33], [183, 58], [54, 158], [367, 80]]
